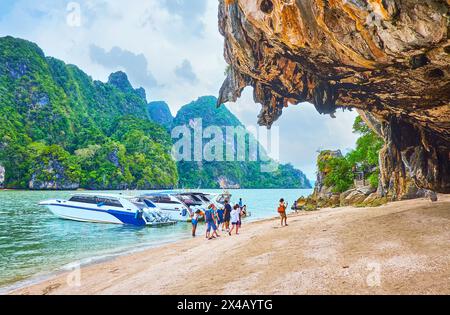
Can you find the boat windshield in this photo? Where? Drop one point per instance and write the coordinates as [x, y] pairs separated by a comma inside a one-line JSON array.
[[149, 203], [162, 199], [96, 200], [189, 201], [205, 198], [142, 203], [139, 205]]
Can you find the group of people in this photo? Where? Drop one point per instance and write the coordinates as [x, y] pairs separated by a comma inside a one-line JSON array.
[[227, 219]]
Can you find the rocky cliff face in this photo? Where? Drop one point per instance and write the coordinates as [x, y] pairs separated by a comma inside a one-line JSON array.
[[225, 169], [390, 59], [159, 112], [60, 129], [52, 176], [320, 189], [120, 80]]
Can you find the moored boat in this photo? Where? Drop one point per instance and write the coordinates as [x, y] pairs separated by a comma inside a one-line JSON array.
[[170, 205], [106, 208]]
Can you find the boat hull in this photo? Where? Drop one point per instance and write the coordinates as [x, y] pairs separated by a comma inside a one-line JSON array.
[[175, 214], [95, 215]]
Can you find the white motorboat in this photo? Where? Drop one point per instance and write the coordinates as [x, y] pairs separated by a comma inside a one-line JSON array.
[[106, 208], [221, 198], [173, 205], [195, 199]]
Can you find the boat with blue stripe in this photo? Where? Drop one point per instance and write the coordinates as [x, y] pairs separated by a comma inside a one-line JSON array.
[[108, 208]]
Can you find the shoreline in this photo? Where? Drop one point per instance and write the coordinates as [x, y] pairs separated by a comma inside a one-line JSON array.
[[326, 251], [94, 260], [83, 263], [162, 189]]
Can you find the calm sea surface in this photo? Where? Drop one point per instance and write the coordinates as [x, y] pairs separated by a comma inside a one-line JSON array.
[[33, 242]]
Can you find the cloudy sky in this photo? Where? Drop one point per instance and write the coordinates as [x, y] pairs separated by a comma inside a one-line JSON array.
[[173, 49]]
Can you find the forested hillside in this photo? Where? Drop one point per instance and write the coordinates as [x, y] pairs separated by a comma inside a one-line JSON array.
[[62, 130]]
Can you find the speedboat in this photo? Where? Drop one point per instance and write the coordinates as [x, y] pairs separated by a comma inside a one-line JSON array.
[[173, 205], [221, 198], [194, 199], [106, 208]]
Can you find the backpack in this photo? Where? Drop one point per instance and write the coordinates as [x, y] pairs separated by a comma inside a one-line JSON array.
[[281, 208]]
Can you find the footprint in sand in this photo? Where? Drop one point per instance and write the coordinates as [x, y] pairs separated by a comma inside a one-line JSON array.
[[51, 288]]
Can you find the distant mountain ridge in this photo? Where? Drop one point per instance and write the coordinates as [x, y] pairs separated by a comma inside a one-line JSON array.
[[63, 130], [243, 174], [159, 112]]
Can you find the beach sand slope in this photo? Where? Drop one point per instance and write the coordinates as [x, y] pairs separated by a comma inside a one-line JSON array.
[[399, 248]]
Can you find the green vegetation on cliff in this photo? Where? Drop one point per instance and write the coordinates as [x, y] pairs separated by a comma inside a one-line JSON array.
[[62, 130], [245, 174], [159, 112], [339, 171]]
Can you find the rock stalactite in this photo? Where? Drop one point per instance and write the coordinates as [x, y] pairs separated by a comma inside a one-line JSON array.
[[389, 59]]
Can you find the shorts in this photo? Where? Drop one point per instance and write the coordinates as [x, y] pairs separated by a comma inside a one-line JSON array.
[[194, 222], [227, 219], [283, 215], [211, 225], [235, 223]]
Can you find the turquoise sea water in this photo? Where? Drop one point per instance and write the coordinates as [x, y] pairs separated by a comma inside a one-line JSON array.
[[33, 242]]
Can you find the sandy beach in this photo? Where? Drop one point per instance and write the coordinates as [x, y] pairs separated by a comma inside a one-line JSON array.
[[399, 248]]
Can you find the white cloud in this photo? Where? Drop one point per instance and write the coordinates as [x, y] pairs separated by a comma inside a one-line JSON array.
[[136, 66], [186, 73], [159, 30], [303, 131]]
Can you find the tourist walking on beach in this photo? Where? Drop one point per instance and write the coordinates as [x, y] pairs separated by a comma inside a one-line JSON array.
[[282, 211], [227, 215], [241, 213], [210, 223], [235, 219], [194, 220], [220, 218]]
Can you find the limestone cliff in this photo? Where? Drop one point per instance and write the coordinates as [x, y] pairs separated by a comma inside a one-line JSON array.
[[52, 175], [388, 58], [159, 112], [320, 189]]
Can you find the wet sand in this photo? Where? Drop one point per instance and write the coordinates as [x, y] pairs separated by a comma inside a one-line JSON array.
[[399, 248]]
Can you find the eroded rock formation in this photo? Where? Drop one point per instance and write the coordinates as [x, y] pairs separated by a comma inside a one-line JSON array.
[[320, 189], [387, 58], [52, 176]]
